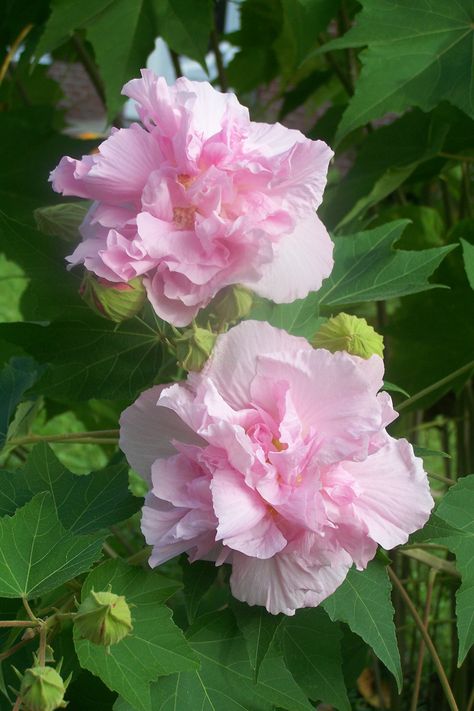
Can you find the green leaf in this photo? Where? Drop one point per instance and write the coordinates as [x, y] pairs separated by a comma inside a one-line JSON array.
[[37, 554], [258, 628], [154, 647], [363, 601], [62, 220], [367, 268], [453, 526], [468, 255], [387, 157], [311, 644], [67, 16], [303, 21], [96, 357], [197, 579], [186, 27], [15, 378], [428, 48], [433, 324], [122, 37], [120, 31], [225, 681], [52, 290], [424, 452], [82, 503], [300, 318]]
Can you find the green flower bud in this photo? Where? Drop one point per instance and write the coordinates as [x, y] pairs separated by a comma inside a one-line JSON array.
[[42, 689], [232, 303], [194, 347], [103, 618], [349, 333], [115, 301]]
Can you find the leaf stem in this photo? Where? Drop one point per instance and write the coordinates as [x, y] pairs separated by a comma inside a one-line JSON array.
[[427, 639], [29, 611], [18, 623], [435, 386], [93, 437], [90, 67]]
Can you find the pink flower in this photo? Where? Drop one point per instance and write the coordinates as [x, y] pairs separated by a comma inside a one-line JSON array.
[[275, 459], [201, 197]]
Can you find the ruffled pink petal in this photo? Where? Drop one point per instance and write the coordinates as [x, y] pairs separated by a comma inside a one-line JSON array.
[[235, 354], [117, 174], [147, 432], [245, 521], [302, 260], [291, 579], [395, 499], [333, 393]]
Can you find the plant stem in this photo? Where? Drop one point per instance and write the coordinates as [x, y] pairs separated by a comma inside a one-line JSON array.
[[94, 437], [140, 556], [427, 639], [90, 67], [18, 623], [42, 646], [435, 386], [175, 61], [421, 651], [432, 560], [13, 50], [221, 73]]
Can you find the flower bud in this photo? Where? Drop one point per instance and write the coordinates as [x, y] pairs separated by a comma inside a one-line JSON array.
[[115, 301], [103, 618], [42, 689], [349, 333], [232, 303], [194, 347]]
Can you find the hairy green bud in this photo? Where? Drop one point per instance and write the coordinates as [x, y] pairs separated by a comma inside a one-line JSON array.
[[232, 303], [115, 301], [194, 347], [349, 333], [103, 618], [42, 689]]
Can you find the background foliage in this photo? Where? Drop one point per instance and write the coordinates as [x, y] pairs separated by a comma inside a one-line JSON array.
[[387, 83]]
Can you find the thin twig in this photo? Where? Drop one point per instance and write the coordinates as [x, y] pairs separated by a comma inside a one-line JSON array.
[[90, 67], [421, 650], [176, 62], [435, 386], [336, 68], [221, 73], [13, 50], [42, 646], [428, 641], [66, 437], [18, 623]]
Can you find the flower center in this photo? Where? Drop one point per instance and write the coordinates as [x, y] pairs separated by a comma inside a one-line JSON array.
[[183, 217], [279, 446]]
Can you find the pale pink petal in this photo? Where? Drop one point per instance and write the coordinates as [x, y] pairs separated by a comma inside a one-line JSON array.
[[147, 432], [245, 521], [395, 499], [232, 365], [303, 259], [289, 580]]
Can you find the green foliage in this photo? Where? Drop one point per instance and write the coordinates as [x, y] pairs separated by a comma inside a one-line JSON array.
[[227, 686], [367, 268], [82, 503], [452, 525], [37, 554], [312, 652], [391, 86], [428, 47], [15, 378], [363, 602], [155, 646]]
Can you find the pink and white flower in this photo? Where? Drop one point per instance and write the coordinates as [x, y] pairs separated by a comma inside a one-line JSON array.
[[199, 197], [275, 459]]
